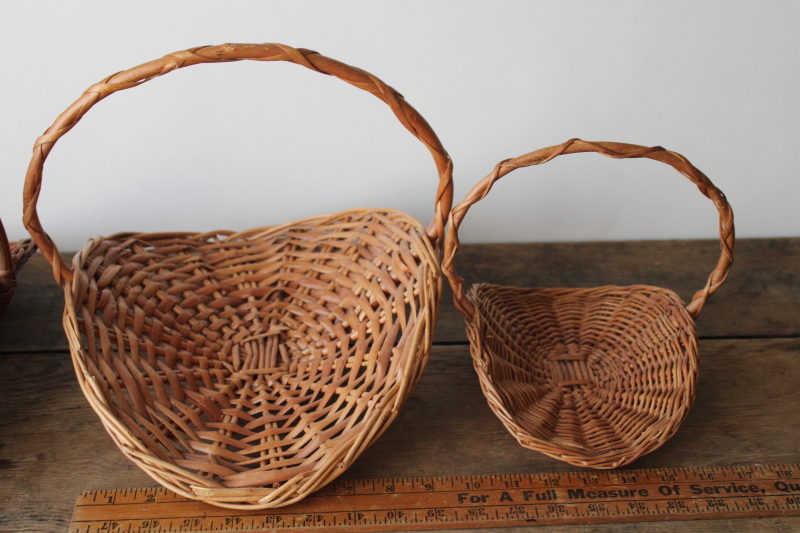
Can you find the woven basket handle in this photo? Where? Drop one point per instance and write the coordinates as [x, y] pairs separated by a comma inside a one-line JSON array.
[[617, 151], [407, 115]]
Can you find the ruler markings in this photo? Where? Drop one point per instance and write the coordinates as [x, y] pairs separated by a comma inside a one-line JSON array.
[[482, 501]]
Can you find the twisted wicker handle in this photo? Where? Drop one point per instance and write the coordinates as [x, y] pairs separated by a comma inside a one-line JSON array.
[[617, 151], [407, 115]]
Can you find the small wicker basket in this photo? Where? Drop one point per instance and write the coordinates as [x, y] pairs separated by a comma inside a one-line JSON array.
[[12, 256], [249, 369], [594, 377]]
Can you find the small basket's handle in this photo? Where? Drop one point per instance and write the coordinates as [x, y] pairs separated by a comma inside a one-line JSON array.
[[617, 151], [407, 115]]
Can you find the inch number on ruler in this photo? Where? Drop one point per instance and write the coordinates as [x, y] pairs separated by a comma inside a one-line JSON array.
[[453, 502]]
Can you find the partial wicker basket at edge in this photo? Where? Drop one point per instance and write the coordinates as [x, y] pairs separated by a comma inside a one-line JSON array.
[[13, 255], [595, 377], [249, 369]]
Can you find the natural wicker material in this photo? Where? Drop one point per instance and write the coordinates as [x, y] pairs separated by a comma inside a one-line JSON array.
[[594, 377], [12, 256], [249, 369]]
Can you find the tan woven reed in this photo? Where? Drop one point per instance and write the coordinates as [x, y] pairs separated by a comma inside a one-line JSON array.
[[594, 377], [12, 256], [249, 369]]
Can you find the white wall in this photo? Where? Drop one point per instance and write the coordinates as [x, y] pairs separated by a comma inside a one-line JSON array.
[[249, 144]]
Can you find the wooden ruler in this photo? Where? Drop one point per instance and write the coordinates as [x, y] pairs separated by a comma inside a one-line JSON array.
[[456, 502]]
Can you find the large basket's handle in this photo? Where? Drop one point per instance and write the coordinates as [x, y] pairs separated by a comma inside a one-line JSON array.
[[407, 115], [617, 151]]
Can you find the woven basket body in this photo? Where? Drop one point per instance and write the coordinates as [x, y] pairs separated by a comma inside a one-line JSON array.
[[249, 369], [12, 256], [596, 377]]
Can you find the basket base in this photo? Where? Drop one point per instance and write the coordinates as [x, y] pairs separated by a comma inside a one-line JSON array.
[[594, 377]]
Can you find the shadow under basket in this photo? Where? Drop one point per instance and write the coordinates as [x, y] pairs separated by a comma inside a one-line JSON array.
[[596, 377], [249, 369]]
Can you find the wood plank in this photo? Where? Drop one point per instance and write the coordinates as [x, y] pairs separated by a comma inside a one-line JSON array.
[[759, 299], [52, 446], [32, 322]]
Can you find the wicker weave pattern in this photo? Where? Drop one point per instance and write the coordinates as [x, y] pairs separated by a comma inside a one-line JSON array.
[[13, 255], [249, 369], [595, 377]]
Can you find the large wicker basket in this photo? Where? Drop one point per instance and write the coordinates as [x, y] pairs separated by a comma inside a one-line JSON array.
[[12, 256], [595, 377], [249, 369]]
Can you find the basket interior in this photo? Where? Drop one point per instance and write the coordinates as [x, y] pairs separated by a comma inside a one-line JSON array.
[[596, 377], [252, 358]]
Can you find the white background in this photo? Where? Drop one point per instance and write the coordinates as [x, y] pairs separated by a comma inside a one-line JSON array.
[[242, 145]]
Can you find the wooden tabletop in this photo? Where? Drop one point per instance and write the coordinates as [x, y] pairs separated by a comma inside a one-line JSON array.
[[53, 447]]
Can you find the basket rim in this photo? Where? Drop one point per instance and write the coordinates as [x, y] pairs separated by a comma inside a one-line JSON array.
[[228, 234], [595, 288]]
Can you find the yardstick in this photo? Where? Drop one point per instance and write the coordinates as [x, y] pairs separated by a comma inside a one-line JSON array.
[[453, 502]]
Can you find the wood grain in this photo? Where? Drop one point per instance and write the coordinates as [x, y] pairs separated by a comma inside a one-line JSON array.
[[758, 300], [746, 412], [33, 320]]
